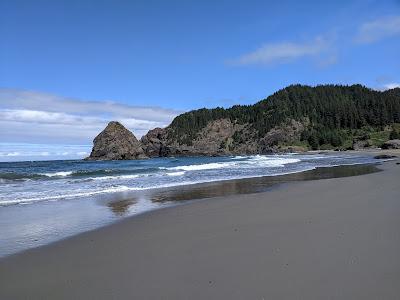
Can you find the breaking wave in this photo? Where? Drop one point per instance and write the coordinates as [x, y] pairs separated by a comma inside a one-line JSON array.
[[30, 182]]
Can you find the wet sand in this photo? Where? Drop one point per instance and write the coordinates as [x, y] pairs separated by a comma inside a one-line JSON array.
[[333, 238]]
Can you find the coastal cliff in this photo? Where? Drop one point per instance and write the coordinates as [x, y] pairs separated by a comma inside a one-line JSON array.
[[222, 137], [296, 118]]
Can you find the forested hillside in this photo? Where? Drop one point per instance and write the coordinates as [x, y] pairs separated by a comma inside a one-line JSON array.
[[332, 115]]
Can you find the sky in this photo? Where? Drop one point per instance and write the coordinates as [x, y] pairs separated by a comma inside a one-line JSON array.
[[67, 68]]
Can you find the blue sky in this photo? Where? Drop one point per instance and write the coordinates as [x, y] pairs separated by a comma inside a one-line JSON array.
[[69, 67]]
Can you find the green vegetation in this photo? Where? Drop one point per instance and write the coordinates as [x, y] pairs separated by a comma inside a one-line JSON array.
[[394, 134], [333, 114]]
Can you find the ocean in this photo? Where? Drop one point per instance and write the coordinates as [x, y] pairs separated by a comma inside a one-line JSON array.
[[44, 201]]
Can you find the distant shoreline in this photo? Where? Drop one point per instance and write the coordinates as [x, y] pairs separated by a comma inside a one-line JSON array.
[[366, 150]]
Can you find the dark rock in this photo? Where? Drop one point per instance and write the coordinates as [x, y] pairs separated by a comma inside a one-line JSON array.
[[154, 143], [384, 156], [391, 144], [116, 142]]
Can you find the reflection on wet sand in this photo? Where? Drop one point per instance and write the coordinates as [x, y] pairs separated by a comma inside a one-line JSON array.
[[232, 187], [121, 207]]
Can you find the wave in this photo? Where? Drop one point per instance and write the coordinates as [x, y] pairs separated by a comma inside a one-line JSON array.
[[123, 174], [132, 176], [266, 161], [123, 188], [208, 166], [176, 173], [143, 176], [116, 189], [238, 157], [123, 177], [240, 161], [57, 174], [95, 174], [9, 177], [158, 185]]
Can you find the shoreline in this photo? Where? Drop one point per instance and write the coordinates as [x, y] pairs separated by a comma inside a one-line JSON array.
[[214, 248], [367, 152], [120, 205], [207, 191]]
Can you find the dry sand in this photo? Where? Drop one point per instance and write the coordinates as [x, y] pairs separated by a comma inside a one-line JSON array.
[[325, 239]]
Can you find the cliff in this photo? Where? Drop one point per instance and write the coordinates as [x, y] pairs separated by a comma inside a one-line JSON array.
[[222, 137]]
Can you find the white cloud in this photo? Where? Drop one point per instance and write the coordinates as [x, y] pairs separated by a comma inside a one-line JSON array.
[[29, 151], [389, 86], [10, 154], [45, 117], [34, 117], [82, 153], [285, 52], [379, 29], [31, 100]]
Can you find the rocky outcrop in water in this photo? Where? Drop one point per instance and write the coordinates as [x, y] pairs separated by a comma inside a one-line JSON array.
[[116, 142]]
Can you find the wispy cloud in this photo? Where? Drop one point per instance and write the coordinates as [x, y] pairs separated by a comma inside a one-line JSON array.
[[385, 82], [22, 151], [284, 52], [32, 100], [378, 29], [35, 117], [392, 85], [324, 48]]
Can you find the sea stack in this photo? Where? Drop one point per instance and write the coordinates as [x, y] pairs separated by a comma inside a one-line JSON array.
[[116, 142]]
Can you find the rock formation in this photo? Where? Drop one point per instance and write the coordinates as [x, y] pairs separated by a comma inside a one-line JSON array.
[[295, 118], [391, 144], [154, 143], [116, 142], [221, 137]]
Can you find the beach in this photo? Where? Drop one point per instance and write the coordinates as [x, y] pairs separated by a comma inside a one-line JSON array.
[[334, 238], [43, 202]]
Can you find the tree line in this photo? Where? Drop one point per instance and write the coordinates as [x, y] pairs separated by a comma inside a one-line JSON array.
[[327, 110]]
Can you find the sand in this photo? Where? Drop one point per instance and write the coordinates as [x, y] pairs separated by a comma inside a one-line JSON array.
[[322, 239]]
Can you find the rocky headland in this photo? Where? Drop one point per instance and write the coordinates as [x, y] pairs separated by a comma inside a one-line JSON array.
[[297, 118]]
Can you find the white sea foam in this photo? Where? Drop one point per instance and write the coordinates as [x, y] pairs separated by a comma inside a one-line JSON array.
[[58, 174], [250, 161], [267, 161], [239, 157], [208, 166], [240, 167], [119, 177], [176, 173], [115, 189]]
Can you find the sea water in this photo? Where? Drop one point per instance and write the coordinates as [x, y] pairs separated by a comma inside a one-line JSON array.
[[44, 201]]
